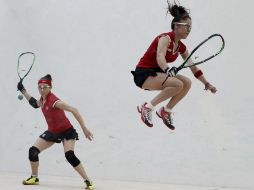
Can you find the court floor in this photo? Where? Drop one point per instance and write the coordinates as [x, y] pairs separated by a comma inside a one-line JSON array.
[[13, 181]]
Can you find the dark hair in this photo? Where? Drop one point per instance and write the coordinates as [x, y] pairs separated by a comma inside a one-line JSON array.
[[47, 77], [178, 12]]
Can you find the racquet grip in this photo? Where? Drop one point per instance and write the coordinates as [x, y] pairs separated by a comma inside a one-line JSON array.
[[179, 68]]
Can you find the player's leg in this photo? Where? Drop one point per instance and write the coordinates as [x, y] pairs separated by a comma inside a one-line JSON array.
[[75, 162], [38, 147], [33, 155], [171, 87], [165, 113], [178, 97]]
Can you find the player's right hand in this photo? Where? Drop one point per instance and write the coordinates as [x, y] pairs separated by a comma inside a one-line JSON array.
[[171, 72], [20, 86]]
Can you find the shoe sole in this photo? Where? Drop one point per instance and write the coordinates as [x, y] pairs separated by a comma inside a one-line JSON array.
[[158, 115], [24, 183], [89, 188], [139, 111]]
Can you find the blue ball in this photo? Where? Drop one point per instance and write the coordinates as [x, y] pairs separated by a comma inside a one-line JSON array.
[[20, 97]]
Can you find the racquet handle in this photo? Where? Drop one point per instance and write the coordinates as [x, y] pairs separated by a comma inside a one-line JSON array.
[[179, 68]]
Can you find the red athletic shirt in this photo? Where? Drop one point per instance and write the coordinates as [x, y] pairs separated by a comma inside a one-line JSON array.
[[149, 58], [55, 117]]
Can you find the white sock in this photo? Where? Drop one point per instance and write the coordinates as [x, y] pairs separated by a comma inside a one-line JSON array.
[[149, 105], [167, 109]]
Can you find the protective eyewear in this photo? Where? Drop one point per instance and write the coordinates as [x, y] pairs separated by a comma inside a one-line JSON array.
[[184, 24]]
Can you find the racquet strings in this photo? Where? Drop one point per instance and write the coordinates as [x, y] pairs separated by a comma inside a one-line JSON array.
[[205, 51], [25, 63]]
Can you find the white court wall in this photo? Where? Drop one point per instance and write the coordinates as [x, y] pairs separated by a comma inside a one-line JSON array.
[[89, 47]]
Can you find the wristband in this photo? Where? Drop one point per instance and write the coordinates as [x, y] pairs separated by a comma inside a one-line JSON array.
[[198, 74]]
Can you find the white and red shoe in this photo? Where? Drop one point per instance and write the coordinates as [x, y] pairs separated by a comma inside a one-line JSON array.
[[166, 118], [146, 114]]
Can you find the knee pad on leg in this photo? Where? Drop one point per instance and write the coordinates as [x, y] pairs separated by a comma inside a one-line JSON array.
[[33, 154], [71, 158]]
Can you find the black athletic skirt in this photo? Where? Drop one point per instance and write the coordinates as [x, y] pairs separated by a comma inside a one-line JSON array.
[[141, 74], [59, 137]]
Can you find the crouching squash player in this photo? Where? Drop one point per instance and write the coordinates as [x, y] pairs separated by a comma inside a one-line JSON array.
[[59, 130]]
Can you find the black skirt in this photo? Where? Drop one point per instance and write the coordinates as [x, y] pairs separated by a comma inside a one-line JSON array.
[[141, 74], [59, 137]]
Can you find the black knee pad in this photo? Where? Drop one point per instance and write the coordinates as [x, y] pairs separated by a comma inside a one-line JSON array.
[[33, 154], [71, 158]]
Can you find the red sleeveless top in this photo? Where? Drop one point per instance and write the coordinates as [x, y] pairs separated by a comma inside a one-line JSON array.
[[149, 58]]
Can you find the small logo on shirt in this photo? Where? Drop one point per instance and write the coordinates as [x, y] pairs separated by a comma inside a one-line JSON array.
[[47, 108]]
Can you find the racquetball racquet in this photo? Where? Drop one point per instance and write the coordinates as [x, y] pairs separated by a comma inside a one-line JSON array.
[[203, 52], [26, 61]]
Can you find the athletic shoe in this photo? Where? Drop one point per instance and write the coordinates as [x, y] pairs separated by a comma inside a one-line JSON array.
[[31, 181], [166, 118], [89, 185], [146, 114]]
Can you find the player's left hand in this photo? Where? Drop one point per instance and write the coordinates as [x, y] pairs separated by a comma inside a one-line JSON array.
[[88, 134], [210, 87]]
